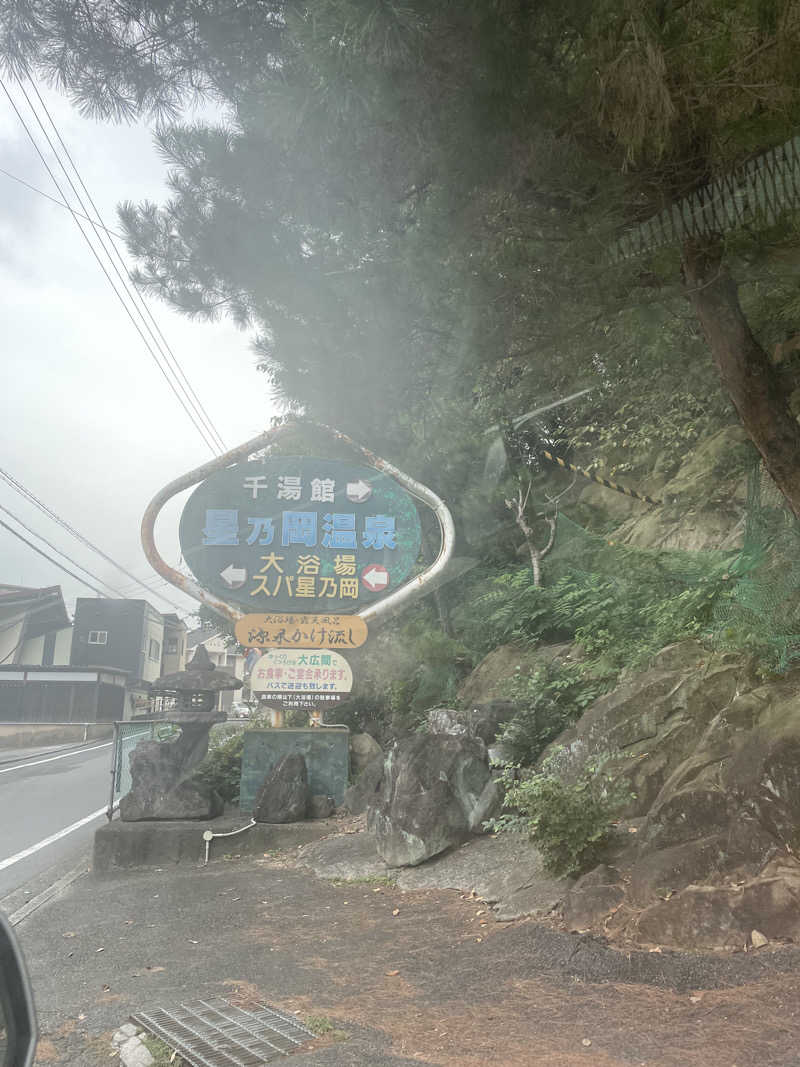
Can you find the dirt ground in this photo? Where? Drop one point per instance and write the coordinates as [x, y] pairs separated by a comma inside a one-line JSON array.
[[520, 1021], [415, 977]]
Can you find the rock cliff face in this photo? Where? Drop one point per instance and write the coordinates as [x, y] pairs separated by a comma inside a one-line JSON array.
[[707, 851], [713, 756], [702, 501]]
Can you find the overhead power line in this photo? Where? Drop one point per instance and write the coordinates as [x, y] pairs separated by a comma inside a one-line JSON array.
[[155, 349], [55, 562], [33, 499], [55, 200], [147, 316], [49, 544]]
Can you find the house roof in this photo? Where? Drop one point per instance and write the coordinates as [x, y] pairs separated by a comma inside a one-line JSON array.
[[43, 609], [207, 633], [200, 636]]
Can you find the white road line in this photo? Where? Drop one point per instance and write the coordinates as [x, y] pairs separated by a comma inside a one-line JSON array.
[[51, 839], [32, 905], [63, 755]]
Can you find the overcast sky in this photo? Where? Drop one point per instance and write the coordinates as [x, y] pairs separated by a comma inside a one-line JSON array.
[[88, 423]]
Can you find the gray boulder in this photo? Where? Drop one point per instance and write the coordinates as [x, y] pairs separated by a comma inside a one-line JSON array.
[[436, 791], [363, 792], [320, 806], [480, 720], [363, 749], [162, 783], [284, 794]]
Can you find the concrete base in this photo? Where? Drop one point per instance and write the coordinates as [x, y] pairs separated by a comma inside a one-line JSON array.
[[128, 845]]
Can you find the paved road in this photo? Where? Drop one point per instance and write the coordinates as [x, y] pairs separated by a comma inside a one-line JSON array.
[[40, 798]]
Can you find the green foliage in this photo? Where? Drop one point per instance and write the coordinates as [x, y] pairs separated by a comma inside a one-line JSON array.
[[633, 437], [163, 1055], [322, 1026], [551, 698], [441, 664], [410, 204], [510, 609], [621, 604], [569, 820], [222, 767]]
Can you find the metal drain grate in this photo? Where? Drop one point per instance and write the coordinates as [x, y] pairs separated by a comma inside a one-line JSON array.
[[213, 1033]]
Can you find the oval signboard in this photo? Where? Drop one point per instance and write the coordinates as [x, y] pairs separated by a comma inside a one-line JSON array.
[[314, 676], [297, 534]]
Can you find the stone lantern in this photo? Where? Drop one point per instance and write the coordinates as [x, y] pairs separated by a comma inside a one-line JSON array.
[[161, 771], [196, 689]]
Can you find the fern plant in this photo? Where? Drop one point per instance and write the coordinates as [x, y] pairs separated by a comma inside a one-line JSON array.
[[571, 822]]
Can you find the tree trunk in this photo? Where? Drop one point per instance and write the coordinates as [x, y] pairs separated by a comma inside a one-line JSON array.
[[751, 381]]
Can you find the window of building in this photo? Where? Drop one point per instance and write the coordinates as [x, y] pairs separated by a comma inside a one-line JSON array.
[[230, 660], [171, 646], [155, 649], [98, 637]]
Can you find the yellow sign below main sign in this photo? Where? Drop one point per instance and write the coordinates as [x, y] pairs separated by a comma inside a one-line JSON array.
[[301, 631]]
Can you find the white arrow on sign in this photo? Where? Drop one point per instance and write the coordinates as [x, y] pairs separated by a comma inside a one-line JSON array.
[[358, 491], [375, 578], [233, 577]]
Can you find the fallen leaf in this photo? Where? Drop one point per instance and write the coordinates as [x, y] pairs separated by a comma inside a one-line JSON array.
[[586, 1042], [479, 939], [633, 829], [695, 1000], [392, 974], [396, 911], [656, 949]]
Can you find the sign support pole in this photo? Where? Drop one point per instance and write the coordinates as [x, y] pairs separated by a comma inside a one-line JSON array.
[[378, 611]]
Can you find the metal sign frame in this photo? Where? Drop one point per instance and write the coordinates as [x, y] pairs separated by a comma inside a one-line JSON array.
[[411, 591]]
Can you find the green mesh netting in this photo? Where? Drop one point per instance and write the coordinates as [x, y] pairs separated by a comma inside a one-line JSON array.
[[762, 612], [747, 599]]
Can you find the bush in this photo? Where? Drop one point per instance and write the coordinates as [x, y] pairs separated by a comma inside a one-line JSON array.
[[570, 823], [222, 766], [551, 698]]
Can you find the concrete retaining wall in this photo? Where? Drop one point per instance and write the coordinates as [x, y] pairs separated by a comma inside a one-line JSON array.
[[123, 845], [33, 734]]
